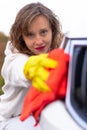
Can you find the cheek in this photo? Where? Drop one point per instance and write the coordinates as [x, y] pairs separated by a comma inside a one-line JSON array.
[[29, 46], [50, 39], [28, 43]]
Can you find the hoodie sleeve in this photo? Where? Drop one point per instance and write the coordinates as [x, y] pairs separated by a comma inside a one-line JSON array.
[[12, 69]]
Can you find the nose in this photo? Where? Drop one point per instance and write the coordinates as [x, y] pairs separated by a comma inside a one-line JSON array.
[[38, 40]]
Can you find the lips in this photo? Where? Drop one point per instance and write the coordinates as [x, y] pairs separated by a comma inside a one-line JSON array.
[[40, 48]]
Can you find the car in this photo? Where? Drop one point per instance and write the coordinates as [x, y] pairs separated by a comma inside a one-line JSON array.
[[70, 114]]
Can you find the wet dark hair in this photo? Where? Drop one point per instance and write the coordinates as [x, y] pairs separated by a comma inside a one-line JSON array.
[[24, 17]]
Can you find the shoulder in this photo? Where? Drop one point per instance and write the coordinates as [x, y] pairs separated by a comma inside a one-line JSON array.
[[12, 53], [8, 49]]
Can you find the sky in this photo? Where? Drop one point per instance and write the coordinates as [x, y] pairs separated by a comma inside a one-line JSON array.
[[71, 13]]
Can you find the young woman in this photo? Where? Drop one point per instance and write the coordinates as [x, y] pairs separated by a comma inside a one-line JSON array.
[[36, 30]]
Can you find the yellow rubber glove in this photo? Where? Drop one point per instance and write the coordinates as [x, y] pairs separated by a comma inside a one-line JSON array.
[[35, 70]]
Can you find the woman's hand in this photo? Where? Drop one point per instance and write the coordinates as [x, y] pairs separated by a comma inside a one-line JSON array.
[[35, 69]]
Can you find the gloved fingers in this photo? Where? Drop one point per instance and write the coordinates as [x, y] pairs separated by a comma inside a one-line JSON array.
[[31, 65], [34, 72], [40, 85], [42, 73], [37, 71], [46, 62], [33, 60], [42, 60], [30, 73], [49, 63]]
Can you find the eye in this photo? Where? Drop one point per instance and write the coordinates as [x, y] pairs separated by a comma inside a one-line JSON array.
[[30, 34], [43, 32]]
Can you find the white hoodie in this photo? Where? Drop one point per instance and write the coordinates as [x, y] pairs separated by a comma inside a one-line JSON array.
[[16, 85]]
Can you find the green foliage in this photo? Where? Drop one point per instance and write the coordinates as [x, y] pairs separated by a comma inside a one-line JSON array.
[[3, 41], [1, 84], [3, 37]]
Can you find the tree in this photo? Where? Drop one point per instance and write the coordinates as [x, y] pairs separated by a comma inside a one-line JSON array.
[[3, 37]]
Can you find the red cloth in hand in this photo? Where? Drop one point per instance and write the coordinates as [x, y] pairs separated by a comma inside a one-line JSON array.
[[35, 100]]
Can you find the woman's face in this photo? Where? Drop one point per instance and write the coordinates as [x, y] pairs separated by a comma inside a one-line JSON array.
[[39, 37]]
